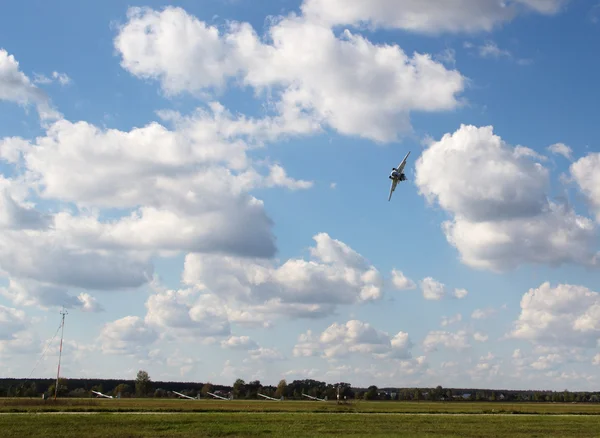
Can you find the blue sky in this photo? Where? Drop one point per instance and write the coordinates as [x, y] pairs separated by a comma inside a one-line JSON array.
[[201, 183]]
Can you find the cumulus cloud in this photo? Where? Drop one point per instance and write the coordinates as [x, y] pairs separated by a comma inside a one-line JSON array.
[[430, 17], [187, 314], [61, 78], [347, 82], [12, 321], [89, 303], [32, 293], [265, 354], [127, 336], [432, 289], [561, 315], [449, 340], [48, 257], [16, 87], [435, 290], [501, 214], [178, 183], [401, 282], [561, 149], [460, 293], [451, 320], [354, 337], [482, 313], [491, 50], [586, 173], [185, 189], [336, 275], [17, 215], [239, 343], [480, 337]]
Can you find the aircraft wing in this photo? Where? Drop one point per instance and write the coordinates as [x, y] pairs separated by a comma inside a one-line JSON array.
[[393, 187], [267, 397], [183, 395], [400, 167], [102, 395], [217, 396]]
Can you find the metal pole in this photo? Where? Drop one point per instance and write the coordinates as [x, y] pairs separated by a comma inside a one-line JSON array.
[[63, 313]]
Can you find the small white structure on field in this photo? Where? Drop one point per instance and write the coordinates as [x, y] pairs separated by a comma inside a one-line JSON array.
[[99, 394], [270, 398], [314, 398], [218, 396], [185, 396]]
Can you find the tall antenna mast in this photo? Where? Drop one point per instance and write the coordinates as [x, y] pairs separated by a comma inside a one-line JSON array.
[[63, 313]]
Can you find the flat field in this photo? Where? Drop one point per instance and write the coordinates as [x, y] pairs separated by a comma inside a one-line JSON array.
[[291, 406], [193, 418]]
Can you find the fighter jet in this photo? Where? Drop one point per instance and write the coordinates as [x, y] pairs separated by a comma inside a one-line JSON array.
[[397, 175]]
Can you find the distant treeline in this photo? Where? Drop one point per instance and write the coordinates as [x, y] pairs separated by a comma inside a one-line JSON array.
[[143, 386]]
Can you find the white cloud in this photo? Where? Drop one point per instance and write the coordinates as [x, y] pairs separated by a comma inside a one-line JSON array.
[[522, 151], [239, 343], [401, 282], [12, 321], [460, 293], [16, 87], [23, 292], [430, 17], [449, 340], [307, 345], [50, 257], [318, 77], [186, 314], [336, 275], [89, 303], [480, 337], [432, 289], [563, 315], [278, 178], [11, 149], [61, 78], [491, 50], [447, 56], [178, 182], [15, 213], [547, 361], [482, 313], [127, 336], [486, 369], [266, 354], [185, 189], [451, 320], [185, 364], [501, 213], [21, 343], [561, 149], [586, 173], [354, 337]]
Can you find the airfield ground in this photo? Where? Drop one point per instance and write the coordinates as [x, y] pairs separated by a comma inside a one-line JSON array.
[[193, 418]]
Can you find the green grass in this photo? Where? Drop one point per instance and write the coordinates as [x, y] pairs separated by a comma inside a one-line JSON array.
[[206, 406], [298, 424]]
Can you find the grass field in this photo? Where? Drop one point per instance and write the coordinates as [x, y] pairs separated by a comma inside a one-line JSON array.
[[296, 425], [188, 418], [291, 406]]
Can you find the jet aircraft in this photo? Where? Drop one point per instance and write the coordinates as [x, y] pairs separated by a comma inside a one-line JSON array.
[[397, 175]]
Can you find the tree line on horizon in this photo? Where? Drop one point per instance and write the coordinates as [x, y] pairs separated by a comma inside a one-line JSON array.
[[143, 387]]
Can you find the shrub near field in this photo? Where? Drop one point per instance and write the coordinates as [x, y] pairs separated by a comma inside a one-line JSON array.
[[248, 390]]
